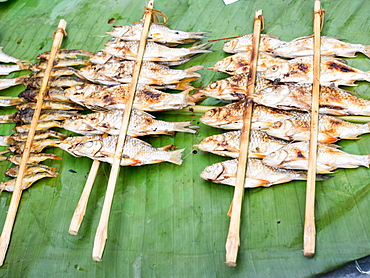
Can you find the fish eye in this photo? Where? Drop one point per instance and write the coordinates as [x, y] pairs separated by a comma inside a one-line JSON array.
[[88, 144], [176, 33], [274, 68], [213, 85]]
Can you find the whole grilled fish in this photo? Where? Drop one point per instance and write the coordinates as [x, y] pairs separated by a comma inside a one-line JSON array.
[[41, 126], [25, 116], [244, 43], [59, 63], [234, 87], [329, 47], [7, 69], [157, 33], [27, 181], [151, 73], [10, 101], [228, 144], [230, 116], [333, 100], [10, 82], [141, 124], [300, 70], [36, 147], [127, 50], [59, 82], [331, 129], [54, 105], [55, 94], [240, 63], [100, 97], [30, 170], [135, 152], [65, 53], [22, 137], [258, 174], [295, 156], [34, 158]]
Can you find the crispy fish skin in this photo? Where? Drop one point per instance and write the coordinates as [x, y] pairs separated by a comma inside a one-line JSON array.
[[155, 52], [258, 174], [240, 63], [26, 182], [158, 33], [141, 124], [303, 46], [333, 100], [228, 144], [151, 73], [230, 116], [101, 97], [295, 156], [331, 129], [30, 170], [300, 70], [234, 87], [135, 152], [244, 43]]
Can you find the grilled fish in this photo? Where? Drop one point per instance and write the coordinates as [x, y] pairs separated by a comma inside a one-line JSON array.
[[7, 69], [59, 82], [300, 70], [47, 104], [258, 174], [141, 124], [333, 101], [34, 158], [60, 63], [228, 144], [36, 147], [25, 116], [30, 170], [295, 156], [151, 73], [10, 101], [127, 50], [54, 94], [230, 116], [329, 47], [244, 43], [234, 87], [10, 82], [157, 33], [100, 97], [240, 63], [41, 126], [5, 58], [135, 152], [22, 137], [26, 182], [64, 53], [331, 129]]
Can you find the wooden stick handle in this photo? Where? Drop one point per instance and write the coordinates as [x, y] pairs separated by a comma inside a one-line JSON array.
[[101, 233], [233, 238], [309, 238], [82, 203], [16, 197]]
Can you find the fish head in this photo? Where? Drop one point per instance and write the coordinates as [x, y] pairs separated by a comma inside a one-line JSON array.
[[82, 145], [225, 65], [239, 44], [213, 172], [276, 158], [78, 125], [270, 96], [278, 71], [281, 129]]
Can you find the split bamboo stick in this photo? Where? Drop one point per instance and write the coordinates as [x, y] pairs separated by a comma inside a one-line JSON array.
[[309, 238], [102, 230], [80, 210], [16, 197], [233, 238]]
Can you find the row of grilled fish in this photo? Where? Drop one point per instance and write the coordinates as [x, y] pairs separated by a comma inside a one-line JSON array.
[[279, 145]]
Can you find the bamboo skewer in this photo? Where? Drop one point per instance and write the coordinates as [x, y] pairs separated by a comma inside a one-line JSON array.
[[80, 210], [233, 238], [309, 238], [101, 233], [16, 197]]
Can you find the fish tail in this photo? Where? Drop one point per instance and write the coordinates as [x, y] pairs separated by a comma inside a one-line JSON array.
[[366, 50], [198, 35], [7, 118], [323, 177], [191, 72], [185, 127], [202, 48], [176, 157], [9, 82], [194, 98]]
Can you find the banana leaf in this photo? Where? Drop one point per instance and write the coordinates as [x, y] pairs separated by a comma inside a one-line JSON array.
[[165, 220]]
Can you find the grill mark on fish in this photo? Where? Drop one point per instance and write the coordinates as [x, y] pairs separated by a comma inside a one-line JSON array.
[[339, 66], [303, 67]]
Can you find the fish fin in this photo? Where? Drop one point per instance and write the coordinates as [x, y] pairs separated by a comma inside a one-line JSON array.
[[366, 50], [176, 157], [202, 48], [352, 138], [185, 127], [327, 138], [320, 170], [194, 69], [320, 177], [194, 98], [169, 147], [258, 155], [258, 183]]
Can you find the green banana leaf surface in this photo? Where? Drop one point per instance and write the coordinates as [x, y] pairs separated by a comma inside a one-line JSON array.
[[165, 220]]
